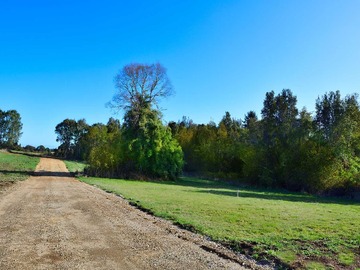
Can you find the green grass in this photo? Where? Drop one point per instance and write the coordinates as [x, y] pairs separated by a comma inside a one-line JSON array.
[[292, 227], [75, 166], [14, 167], [315, 266], [346, 258]]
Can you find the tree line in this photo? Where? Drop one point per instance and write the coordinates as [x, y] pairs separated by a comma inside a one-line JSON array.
[[285, 148]]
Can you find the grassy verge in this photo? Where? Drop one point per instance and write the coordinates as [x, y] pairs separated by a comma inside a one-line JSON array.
[[75, 166], [300, 231], [15, 167]]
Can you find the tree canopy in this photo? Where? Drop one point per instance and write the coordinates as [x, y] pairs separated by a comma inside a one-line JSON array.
[[141, 84], [10, 128], [69, 133]]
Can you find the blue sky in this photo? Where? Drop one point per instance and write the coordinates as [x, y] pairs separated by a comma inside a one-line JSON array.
[[58, 58]]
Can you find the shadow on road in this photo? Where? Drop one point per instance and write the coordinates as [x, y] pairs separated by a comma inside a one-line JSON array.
[[52, 174], [40, 173]]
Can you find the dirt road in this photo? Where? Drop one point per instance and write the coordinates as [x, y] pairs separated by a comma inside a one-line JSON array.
[[53, 221]]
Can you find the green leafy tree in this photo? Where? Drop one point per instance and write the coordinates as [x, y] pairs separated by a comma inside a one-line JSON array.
[[10, 128], [279, 121], [69, 133], [329, 111], [104, 150], [149, 148], [41, 149], [113, 125]]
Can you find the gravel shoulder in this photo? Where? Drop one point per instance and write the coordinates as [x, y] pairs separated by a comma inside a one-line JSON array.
[[53, 221]]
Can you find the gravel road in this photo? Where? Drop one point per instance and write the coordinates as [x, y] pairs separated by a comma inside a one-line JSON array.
[[53, 221]]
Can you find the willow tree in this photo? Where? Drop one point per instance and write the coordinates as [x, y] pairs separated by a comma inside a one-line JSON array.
[[148, 148]]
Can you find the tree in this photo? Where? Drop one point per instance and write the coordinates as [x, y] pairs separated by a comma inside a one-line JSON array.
[[250, 119], [66, 131], [69, 133], [279, 125], [103, 150], [10, 128], [40, 149], [29, 148], [149, 148], [329, 110], [113, 125], [139, 85], [232, 125], [252, 128]]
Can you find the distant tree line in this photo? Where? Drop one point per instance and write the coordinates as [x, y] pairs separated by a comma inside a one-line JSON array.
[[286, 148], [39, 149], [10, 128]]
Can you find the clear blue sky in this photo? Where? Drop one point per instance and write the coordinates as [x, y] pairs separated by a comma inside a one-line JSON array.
[[58, 58]]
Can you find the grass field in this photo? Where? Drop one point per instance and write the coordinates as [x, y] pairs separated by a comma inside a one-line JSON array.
[[14, 167], [301, 231], [75, 166]]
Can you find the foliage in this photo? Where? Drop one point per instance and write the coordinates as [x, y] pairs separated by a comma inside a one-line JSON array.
[[149, 148], [287, 148], [68, 134], [39, 150], [139, 85], [10, 128], [104, 155], [296, 228]]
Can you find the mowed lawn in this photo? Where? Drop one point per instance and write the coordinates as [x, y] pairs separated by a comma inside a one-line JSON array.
[[15, 167], [302, 231]]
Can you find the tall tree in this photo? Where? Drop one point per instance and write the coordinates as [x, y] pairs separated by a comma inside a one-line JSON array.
[[279, 122], [10, 128], [329, 110], [113, 125], [139, 86], [250, 119], [149, 146], [232, 125]]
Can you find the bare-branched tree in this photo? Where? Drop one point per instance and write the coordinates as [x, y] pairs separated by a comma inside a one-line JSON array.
[[139, 86]]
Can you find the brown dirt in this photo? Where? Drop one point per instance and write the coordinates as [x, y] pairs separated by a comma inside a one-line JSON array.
[[53, 221]]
